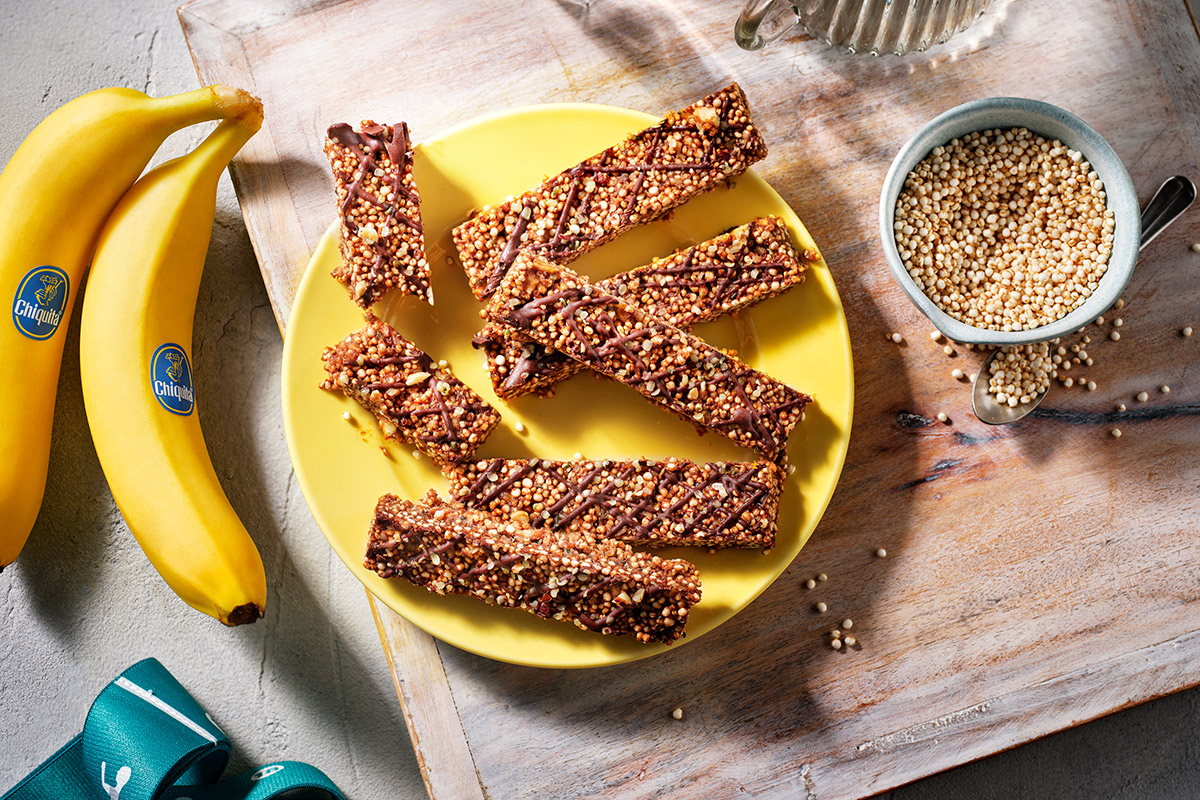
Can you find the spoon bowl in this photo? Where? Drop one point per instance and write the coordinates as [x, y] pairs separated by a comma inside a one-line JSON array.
[[1171, 200], [984, 404]]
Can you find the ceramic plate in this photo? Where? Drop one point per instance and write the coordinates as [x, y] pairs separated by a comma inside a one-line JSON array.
[[344, 466]]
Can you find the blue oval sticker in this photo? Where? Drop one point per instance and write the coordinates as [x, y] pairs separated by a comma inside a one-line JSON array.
[[41, 302], [171, 379]]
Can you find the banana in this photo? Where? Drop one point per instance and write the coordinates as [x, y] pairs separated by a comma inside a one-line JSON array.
[[135, 337], [55, 195]]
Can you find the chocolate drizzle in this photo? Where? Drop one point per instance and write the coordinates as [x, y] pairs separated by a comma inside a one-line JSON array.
[[562, 245], [452, 550], [381, 150], [665, 502], [729, 285], [665, 365], [370, 145], [389, 362]]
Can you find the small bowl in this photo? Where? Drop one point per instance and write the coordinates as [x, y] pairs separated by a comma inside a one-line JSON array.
[[1051, 122]]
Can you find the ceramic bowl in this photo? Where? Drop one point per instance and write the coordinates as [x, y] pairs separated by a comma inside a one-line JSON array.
[[1051, 122]]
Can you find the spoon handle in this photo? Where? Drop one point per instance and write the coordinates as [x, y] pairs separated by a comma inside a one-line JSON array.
[[1171, 199]]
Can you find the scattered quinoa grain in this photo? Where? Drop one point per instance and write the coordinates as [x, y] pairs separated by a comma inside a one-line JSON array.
[[881, 553], [822, 607], [1141, 397], [1120, 406], [948, 350], [847, 623], [1116, 433], [851, 641], [346, 416], [1115, 336], [1196, 247], [810, 584], [1091, 385], [935, 336], [1187, 331], [822, 577], [943, 416], [836, 644], [1118, 322], [957, 374], [677, 713], [1165, 389], [897, 338], [520, 427]]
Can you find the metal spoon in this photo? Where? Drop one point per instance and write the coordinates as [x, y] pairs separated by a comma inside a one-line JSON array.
[[1171, 199]]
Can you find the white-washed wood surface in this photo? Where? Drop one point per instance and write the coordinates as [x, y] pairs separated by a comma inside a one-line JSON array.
[[1037, 576]]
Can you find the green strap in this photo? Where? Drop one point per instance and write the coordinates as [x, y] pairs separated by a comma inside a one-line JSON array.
[[146, 738]]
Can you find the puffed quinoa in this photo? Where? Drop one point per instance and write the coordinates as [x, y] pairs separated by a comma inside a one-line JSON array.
[[557, 307], [1004, 229], [1020, 374], [654, 503], [600, 585], [694, 285], [641, 179], [411, 398], [382, 241]]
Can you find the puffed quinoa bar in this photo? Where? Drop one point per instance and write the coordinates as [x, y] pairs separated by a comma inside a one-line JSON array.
[[656, 503], [382, 245], [639, 180], [691, 286], [599, 585], [411, 397], [557, 307]]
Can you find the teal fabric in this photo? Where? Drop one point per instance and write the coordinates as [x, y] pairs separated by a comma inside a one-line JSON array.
[[146, 738]]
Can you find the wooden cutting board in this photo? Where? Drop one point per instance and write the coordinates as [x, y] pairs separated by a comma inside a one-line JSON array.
[[1037, 576]]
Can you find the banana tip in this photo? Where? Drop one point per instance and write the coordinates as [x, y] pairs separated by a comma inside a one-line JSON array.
[[244, 614]]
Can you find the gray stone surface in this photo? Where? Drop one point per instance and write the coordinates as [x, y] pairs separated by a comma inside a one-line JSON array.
[[308, 682]]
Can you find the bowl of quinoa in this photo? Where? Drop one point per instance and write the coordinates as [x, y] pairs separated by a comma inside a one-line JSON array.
[[1009, 221]]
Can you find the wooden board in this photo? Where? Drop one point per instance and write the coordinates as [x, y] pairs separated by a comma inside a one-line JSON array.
[[1037, 576]]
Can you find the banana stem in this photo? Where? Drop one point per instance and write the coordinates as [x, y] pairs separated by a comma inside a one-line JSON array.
[[226, 140], [210, 102]]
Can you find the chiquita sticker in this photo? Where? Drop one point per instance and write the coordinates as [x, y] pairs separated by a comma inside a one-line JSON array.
[[41, 302], [171, 379]]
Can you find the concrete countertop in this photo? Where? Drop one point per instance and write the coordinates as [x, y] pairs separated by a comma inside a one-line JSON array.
[[309, 681]]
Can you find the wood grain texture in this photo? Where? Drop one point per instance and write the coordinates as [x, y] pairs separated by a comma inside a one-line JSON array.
[[1037, 576], [438, 740]]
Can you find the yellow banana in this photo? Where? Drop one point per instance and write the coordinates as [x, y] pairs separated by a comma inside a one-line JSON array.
[[134, 340], [55, 195]]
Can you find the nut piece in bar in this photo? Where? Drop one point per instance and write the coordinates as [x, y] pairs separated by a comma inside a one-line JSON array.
[[671, 368], [698, 284], [655, 503], [600, 585], [382, 244], [639, 180], [412, 399]]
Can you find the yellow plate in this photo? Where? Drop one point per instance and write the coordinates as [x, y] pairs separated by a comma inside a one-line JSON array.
[[800, 338]]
